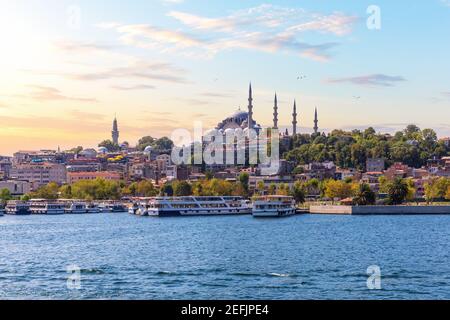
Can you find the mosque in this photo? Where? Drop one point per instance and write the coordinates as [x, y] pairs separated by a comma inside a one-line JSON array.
[[244, 119]]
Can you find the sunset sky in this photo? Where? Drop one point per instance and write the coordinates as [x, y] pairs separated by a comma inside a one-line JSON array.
[[67, 67]]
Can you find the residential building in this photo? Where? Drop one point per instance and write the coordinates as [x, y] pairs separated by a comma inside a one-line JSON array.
[[39, 174]]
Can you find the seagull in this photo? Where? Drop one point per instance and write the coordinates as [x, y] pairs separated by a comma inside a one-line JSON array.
[[301, 77]]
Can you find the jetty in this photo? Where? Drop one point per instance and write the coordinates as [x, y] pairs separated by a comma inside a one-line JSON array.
[[381, 210]]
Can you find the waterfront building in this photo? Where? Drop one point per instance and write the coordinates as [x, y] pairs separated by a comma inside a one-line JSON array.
[[39, 174], [73, 177], [375, 164], [398, 170], [16, 187]]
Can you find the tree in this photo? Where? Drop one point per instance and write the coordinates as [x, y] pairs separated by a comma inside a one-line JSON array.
[[109, 145], [48, 192], [182, 189], [244, 178], [66, 191], [144, 142], [163, 144], [337, 189], [5, 196], [436, 188], [260, 187], [298, 192], [364, 196], [167, 190], [76, 150], [272, 189], [397, 191], [447, 194]]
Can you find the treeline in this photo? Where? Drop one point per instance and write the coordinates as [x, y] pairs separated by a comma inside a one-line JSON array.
[[411, 146], [393, 192]]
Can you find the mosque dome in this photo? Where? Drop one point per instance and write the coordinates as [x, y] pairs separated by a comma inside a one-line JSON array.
[[148, 149], [102, 150]]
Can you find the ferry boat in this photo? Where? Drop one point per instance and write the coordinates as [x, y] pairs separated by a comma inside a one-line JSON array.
[[273, 206], [75, 207], [18, 208], [92, 208], [41, 206], [194, 206], [106, 207]]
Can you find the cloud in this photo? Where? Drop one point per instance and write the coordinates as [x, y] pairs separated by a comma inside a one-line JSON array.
[[43, 93], [135, 87], [81, 47], [446, 3], [373, 80], [265, 28], [216, 95], [2, 105], [446, 94], [83, 115]]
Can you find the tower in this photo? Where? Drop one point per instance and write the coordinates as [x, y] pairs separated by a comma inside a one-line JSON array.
[[316, 122], [294, 119], [250, 108], [275, 113], [115, 132]]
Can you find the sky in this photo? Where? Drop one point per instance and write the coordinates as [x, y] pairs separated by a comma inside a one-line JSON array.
[[68, 67]]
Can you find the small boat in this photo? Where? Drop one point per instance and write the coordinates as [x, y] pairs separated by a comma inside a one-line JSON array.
[[2, 212], [273, 206], [133, 208], [48, 207], [108, 207], [76, 207], [92, 208], [18, 208]]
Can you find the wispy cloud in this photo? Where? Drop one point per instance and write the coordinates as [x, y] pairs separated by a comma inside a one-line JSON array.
[[373, 80], [266, 28], [446, 94], [84, 115], [135, 87], [43, 93]]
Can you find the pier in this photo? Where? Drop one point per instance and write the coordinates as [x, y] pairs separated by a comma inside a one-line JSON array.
[[381, 210]]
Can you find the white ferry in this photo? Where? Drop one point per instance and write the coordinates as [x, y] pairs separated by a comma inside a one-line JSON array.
[[18, 208], [92, 208], [193, 206], [75, 207], [42, 206], [273, 206], [111, 206]]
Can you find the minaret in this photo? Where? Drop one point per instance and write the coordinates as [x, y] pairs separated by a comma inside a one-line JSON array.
[[294, 119], [115, 132], [275, 113], [316, 122], [250, 108]]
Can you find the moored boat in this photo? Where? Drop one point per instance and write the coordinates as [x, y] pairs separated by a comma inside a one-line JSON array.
[[48, 207], [18, 208], [195, 206], [75, 207], [92, 208], [273, 206]]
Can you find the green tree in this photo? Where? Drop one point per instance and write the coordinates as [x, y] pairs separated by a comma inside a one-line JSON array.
[[298, 192], [5, 196], [397, 191], [145, 142], [167, 190], [182, 189], [109, 145], [244, 178], [337, 189], [364, 196]]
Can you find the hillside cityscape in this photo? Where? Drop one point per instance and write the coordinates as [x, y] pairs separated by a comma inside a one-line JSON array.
[[361, 166]]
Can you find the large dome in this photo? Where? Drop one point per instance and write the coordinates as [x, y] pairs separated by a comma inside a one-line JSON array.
[[238, 119]]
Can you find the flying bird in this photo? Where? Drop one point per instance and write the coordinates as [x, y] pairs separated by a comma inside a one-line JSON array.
[[301, 77]]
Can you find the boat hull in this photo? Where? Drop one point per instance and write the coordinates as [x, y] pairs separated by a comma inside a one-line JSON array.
[[275, 213], [196, 213]]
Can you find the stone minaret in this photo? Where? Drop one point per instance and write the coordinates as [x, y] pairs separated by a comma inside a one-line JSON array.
[[294, 119], [115, 132], [275, 113], [316, 122], [250, 108]]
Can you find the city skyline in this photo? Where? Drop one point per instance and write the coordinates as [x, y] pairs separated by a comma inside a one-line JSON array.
[[69, 67]]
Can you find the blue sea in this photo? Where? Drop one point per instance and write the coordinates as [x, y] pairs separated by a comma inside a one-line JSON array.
[[119, 256]]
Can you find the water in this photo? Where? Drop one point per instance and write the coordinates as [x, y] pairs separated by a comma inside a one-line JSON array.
[[303, 257]]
